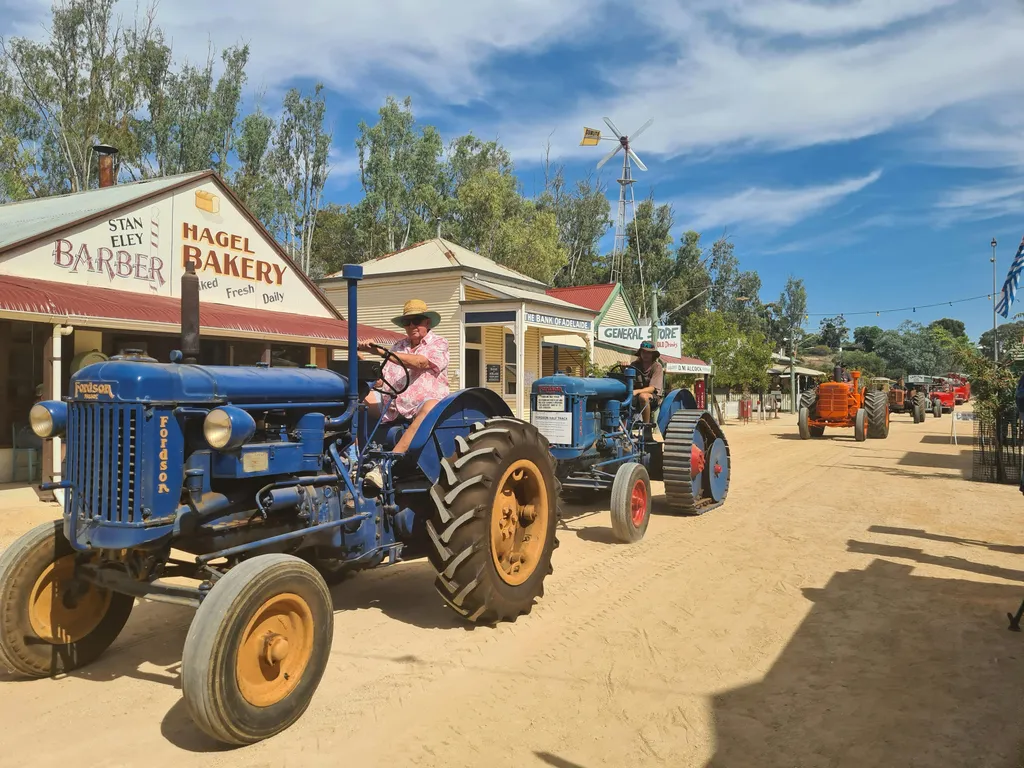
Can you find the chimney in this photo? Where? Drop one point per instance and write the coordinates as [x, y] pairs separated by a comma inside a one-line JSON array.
[[190, 314], [106, 153]]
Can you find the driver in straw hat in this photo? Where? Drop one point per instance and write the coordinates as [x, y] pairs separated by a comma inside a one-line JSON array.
[[650, 378], [425, 354]]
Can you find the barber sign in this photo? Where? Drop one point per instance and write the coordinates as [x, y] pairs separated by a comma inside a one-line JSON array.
[[670, 337]]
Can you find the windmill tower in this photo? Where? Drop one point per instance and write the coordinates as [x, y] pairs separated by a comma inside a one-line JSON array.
[[591, 137]]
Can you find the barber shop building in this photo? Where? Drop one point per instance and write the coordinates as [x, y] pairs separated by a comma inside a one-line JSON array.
[[88, 275]]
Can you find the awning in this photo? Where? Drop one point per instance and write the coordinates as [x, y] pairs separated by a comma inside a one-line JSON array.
[[798, 370], [89, 306]]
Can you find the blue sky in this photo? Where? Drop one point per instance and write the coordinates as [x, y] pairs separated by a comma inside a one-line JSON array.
[[871, 147]]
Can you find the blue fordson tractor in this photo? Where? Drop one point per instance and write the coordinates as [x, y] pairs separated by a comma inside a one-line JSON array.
[[600, 442], [259, 476]]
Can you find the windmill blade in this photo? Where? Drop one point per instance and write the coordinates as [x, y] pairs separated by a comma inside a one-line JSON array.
[[611, 125], [641, 129], [636, 160], [610, 155]]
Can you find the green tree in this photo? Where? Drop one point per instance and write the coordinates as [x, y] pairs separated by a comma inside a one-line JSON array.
[[868, 363], [650, 236], [741, 359], [581, 212], [833, 331], [1008, 333], [954, 328], [687, 292], [912, 349], [867, 335], [788, 313]]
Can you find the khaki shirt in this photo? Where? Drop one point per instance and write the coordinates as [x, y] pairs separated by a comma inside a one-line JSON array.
[[654, 377]]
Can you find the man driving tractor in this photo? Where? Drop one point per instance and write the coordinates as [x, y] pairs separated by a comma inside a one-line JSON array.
[[425, 354], [650, 378]]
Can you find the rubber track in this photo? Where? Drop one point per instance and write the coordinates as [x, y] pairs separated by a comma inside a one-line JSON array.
[[678, 443]]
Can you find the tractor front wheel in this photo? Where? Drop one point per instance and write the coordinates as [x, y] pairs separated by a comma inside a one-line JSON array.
[[802, 420], [52, 621], [257, 648], [493, 525], [876, 405], [631, 503], [859, 425], [937, 409]]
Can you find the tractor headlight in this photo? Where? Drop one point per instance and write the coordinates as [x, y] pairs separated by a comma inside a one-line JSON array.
[[228, 428], [48, 418]]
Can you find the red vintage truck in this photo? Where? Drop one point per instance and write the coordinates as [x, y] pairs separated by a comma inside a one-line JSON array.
[[961, 387]]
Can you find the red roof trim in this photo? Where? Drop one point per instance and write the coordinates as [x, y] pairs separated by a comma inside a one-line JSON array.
[[61, 302], [592, 297]]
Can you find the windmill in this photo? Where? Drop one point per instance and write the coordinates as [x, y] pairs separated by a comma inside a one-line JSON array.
[[591, 137]]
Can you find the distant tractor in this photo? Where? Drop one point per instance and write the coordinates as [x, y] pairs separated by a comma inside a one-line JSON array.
[[904, 399], [839, 404], [942, 396], [961, 387]]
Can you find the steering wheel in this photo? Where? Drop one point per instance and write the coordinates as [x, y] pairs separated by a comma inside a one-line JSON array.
[[387, 388]]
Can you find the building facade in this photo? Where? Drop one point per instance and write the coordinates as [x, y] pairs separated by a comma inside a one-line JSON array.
[[89, 275]]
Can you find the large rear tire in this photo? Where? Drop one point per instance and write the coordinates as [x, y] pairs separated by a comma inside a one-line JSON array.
[[808, 399], [859, 424], [257, 649], [50, 621], [494, 518], [876, 405], [631, 503]]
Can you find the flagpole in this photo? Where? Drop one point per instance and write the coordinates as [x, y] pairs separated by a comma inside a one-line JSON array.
[[995, 340]]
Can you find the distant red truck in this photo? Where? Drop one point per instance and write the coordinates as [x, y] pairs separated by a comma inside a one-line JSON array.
[[961, 387]]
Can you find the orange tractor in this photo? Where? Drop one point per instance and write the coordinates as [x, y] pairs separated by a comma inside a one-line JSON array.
[[844, 404]]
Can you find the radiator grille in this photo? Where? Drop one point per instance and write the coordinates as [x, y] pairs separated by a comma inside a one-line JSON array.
[[101, 461]]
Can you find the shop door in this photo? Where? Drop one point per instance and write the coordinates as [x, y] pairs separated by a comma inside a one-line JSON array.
[[472, 367]]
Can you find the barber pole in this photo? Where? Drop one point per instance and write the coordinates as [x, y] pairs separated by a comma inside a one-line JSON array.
[[154, 238]]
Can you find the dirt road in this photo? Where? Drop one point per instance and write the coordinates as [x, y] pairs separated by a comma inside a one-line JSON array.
[[845, 608]]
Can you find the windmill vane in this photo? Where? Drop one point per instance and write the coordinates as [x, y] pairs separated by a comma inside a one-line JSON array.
[[591, 137]]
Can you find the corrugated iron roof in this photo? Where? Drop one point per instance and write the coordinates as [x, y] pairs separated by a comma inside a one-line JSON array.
[[60, 302], [590, 296], [438, 254], [27, 219], [522, 294]]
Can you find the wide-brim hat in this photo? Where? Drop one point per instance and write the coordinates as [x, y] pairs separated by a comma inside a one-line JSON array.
[[649, 346], [415, 307]]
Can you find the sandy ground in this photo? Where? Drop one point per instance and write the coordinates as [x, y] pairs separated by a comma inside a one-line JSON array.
[[846, 607]]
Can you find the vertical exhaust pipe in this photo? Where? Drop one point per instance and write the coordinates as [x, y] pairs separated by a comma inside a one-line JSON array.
[[190, 314], [106, 162], [353, 273]]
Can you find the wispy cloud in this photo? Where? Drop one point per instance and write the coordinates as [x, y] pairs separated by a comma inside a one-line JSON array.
[[983, 201], [811, 19], [761, 207]]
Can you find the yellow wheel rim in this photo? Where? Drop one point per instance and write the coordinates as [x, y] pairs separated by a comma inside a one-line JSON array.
[[63, 609], [519, 522], [274, 650]]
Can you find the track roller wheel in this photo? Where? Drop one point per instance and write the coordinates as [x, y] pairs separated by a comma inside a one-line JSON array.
[[493, 522], [859, 425], [631, 503], [876, 405], [694, 482], [257, 648], [50, 621]]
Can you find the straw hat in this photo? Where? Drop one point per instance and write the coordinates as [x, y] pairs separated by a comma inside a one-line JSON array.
[[415, 307]]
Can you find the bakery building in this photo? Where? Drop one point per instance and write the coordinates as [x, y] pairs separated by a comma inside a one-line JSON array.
[[497, 321], [87, 275]]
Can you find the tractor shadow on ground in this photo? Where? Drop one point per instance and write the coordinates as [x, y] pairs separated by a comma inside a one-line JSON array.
[[945, 561], [903, 473], [888, 668], [555, 761], [835, 436], [919, 533], [945, 440], [960, 462]]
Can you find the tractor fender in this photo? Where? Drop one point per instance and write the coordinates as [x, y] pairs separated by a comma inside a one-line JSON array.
[[674, 400], [454, 416]]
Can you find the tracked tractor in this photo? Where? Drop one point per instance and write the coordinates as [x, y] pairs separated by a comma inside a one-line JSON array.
[[601, 443], [843, 404]]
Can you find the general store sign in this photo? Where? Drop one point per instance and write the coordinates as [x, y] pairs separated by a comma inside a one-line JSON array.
[[145, 248], [670, 338]]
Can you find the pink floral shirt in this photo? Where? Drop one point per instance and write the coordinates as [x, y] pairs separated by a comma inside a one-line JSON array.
[[427, 384]]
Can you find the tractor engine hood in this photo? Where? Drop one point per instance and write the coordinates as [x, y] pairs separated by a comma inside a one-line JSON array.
[[606, 389], [141, 381]]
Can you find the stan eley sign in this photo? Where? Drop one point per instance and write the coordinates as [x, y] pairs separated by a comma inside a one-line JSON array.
[[670, 337]]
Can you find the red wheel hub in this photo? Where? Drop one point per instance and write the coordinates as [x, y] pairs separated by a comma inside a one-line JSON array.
[[696, 461], [718, 469], [638, 503]]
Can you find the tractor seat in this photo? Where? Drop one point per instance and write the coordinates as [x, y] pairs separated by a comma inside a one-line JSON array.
[[388, 434]]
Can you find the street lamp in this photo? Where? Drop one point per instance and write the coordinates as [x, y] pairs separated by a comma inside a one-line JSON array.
[[995, 342]]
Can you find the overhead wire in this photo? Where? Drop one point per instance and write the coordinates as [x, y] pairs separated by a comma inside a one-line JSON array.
[[911, 308]]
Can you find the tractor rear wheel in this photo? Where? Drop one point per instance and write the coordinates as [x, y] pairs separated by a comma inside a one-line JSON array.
[[808, 399], [876, 405], [631, 503], [802, 423], [859, 424], [697, 463], [921, 406], [50, 621], [493, 525], [257, 649]]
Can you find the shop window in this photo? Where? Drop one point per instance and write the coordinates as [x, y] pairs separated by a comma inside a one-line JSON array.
[[289, 356], [510, 364], [474, 335]]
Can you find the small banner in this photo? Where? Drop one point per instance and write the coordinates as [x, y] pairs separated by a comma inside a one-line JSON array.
[[591, 136]]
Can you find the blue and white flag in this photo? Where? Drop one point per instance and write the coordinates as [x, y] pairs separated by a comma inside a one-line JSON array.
[[1012, 282]]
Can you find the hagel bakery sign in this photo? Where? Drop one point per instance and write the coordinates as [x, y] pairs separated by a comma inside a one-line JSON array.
[[145, 250]]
